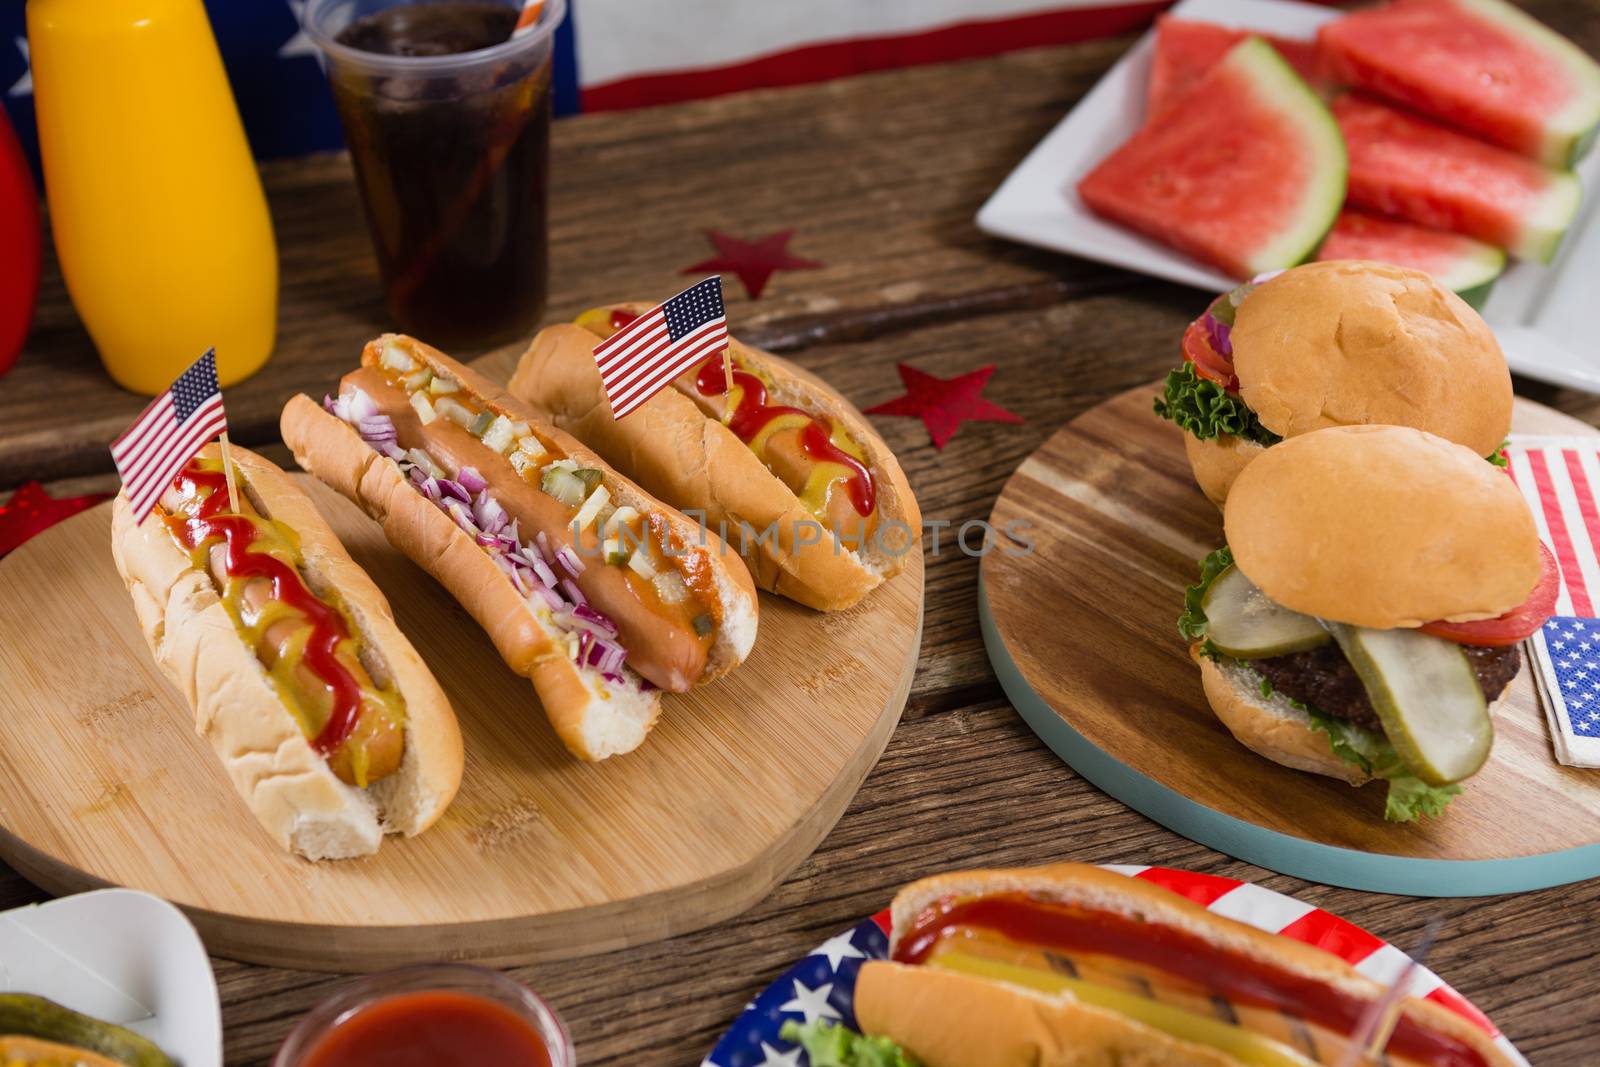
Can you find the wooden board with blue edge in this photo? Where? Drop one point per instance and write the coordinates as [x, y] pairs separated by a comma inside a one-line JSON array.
[[1082, 634]]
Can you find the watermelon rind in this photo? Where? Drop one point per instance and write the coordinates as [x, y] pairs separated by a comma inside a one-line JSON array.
[[1478, 295], [1549, 219], [1284, 91], [1473, 274], [1570, 132]]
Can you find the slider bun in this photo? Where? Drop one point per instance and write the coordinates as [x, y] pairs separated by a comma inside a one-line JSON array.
[[1270, 726], [1384, 527], [1348, 342], [951, 1019], [1217, 461], [289, 787], [1092, 887]]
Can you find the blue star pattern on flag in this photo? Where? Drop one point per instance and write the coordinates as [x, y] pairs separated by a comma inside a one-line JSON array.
[[1574, 646], [821, 986]]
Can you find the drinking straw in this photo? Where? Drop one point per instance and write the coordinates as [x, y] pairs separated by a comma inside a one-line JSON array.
[[1378, 1021], [530, 14]]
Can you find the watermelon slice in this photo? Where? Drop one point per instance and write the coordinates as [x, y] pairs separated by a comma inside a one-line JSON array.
[[1480, 65], [1246, 171], [1421, 171], [1458, 263], [1187, 48]]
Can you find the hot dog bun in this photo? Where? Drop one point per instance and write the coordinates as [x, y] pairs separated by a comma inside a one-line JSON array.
[[288, 786], [33, 1052], [691, 460], [1149, 904], [949, 1019], [594, 718]]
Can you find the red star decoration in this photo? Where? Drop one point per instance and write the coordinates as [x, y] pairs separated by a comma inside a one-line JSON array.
[[31, 510], [753, 261], [944, 404]]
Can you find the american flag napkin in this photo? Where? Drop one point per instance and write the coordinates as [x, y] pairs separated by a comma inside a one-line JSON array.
[[1559, 477]]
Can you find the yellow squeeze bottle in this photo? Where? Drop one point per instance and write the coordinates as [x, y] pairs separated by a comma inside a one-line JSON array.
[[160, 223]]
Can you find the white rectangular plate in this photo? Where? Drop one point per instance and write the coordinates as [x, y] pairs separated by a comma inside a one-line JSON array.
[[123, 957], [1538, 312]]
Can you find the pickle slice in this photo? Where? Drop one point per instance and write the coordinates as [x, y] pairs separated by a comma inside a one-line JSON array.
[[23, 1015], [1426, 693], [1245, 624]]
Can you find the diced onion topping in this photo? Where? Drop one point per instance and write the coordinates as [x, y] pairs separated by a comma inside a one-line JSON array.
[[396, 358], [640, 564], [591, 507], [455, 411], [591, 636], [500, 435], [423, 407]]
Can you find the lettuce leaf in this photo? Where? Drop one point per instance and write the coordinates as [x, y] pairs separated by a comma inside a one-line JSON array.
[[1192, 623], [1206, 410], [830, 1044], [1409, 796], [1498, 457]]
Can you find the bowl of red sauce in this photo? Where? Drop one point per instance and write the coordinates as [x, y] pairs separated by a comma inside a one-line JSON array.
[[432, 1015]]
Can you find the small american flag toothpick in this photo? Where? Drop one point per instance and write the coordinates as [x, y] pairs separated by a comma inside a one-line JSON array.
[[638, 360], [168, 433]]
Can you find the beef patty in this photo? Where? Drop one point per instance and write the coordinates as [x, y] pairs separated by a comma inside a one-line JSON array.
[[1323, 679]]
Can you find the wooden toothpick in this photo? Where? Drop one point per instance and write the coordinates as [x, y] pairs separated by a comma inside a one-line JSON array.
[[227, 472], [727, 378]]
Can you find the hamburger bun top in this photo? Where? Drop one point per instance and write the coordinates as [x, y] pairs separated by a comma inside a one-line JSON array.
[[1348, 342], [1382, 526]]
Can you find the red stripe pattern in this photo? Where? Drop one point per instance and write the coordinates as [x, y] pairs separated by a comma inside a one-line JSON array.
[[640, 359], [168, 433], [1543, 464], [1204, 889], [1334, 935], [1317, 928], [859, 55]]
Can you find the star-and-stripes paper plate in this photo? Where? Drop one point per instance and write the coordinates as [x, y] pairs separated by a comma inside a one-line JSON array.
[[822, 986]]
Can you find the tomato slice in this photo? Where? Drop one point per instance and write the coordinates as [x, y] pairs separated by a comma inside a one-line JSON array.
[[1208, 362], [1516, 624]]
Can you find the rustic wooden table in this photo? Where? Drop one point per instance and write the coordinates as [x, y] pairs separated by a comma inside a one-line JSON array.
[[880, 176]]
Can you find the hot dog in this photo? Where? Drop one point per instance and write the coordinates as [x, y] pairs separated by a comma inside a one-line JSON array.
[[328, 722], [783, 464], [1074, 966], [597, 592]]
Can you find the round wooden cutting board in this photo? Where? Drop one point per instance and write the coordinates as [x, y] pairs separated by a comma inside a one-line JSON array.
[[1082, 633], [103, 780]]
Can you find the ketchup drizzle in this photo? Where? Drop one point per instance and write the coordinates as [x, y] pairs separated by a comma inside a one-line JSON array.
[[754, 412], [238, 532], [1030, 920]]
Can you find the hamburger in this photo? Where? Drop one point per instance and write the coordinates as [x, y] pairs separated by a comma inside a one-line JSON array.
[[1365, 612], [1075, 966], [1340, 343]]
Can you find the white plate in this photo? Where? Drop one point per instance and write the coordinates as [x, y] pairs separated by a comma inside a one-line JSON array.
[[124, 957], [1539, 312]]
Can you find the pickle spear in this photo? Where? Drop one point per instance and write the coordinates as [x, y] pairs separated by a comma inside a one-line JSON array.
[[22, 1015], [1244, 623], [1427, 696]]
